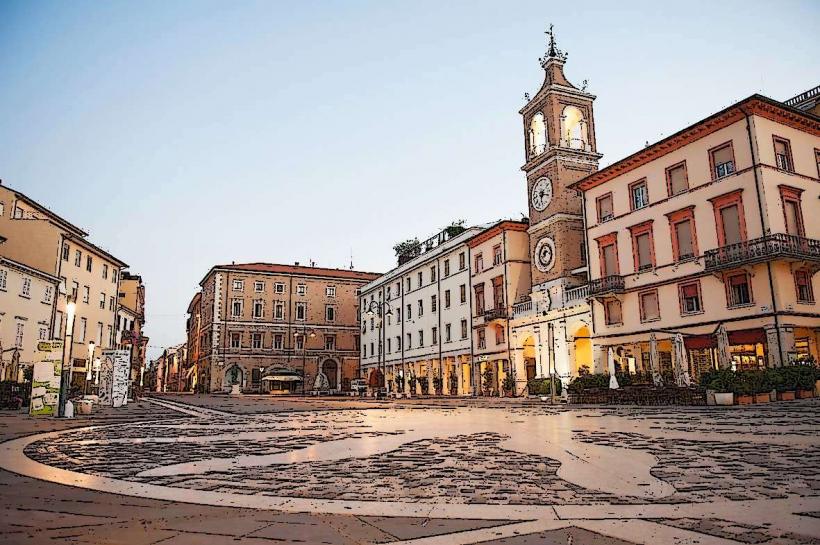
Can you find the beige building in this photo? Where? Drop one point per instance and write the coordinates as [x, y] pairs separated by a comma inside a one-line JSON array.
[[499, 277], [714, 225], [43, 241], [266, 327], [130, 322], [27, 300]]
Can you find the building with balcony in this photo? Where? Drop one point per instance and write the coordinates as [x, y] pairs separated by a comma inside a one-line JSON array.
[[129, 328], [499, 276], [712, 226], [274, 328], [416, 319]]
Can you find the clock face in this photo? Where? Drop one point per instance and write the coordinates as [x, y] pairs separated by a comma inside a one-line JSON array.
[[545, 254], [541, 193]]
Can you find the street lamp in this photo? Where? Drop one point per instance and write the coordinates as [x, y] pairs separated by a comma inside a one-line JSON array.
[[381, 309], [91, 346], [261, 373], [65, 373], [304, 336]]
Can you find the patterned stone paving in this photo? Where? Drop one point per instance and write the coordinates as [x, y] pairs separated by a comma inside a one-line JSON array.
[[647, 475]]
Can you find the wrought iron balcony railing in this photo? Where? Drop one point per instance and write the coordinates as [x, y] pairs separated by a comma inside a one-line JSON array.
[[607, 284], [760, 250], [495, 314]]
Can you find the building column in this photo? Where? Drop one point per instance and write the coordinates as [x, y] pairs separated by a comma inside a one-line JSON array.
[[599, 363], [782, 338], [541, 353]]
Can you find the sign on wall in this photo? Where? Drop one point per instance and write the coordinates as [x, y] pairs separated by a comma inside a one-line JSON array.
[[114, 371], [45, 385]]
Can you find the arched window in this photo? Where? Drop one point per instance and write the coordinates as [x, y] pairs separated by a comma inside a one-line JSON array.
[[538, 134], [574, 129]]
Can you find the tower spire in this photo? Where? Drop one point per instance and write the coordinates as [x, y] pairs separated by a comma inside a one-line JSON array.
[[553, 52]]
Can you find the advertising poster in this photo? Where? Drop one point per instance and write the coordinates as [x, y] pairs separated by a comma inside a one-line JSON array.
[[45, 385], [114, 377]]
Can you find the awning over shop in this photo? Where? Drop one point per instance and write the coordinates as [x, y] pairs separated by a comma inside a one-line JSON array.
[[741, 336], [282, 378]]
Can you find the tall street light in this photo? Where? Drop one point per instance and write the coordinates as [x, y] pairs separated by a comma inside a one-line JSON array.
[[381, 309], [305, 335], [65, 373], [91, 345]]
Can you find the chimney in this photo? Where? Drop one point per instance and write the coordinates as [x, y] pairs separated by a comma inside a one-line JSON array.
[[296, 263]]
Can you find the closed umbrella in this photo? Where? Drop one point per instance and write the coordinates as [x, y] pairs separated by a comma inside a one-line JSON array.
[[723, 356], [654, 360], [681, 362], [613, 382]]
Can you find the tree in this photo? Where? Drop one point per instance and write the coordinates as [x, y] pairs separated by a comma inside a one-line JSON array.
[[410, 247]]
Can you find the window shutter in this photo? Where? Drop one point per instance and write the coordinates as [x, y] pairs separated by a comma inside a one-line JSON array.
[[677, 180], [722, 155]]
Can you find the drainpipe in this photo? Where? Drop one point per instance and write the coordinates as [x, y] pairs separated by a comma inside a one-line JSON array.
[[766, 230], [470, 321], [438, 314], [506, 305]]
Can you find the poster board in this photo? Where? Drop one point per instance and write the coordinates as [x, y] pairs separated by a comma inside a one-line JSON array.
[[45, 383], [114, 377]]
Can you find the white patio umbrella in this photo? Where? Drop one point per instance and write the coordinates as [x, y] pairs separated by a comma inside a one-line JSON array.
[[681, 362], [723, 356], [654, 360], [613, 382]]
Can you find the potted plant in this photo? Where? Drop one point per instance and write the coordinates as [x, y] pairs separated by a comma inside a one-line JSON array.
[[423, 384], [805, 381], [438, 383], [487, 381], [785, 382], [411, 381], [453, 384], [508, 385], [761, 386], [744, 389], [723, 383]]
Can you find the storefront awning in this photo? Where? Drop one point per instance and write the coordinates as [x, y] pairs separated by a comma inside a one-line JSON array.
[[281, 378]]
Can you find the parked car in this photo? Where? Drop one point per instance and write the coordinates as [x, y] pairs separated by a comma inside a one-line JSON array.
[[358, 385]]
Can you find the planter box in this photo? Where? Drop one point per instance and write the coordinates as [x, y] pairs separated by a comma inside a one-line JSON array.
[[785, 396], [763, 398], [724, 398], [745, 399], [805, 394]]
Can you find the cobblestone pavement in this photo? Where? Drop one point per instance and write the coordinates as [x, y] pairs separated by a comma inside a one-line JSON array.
[[446, 471]]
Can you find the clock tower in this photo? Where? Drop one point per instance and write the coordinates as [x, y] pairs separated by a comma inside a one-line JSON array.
[[559, 145]]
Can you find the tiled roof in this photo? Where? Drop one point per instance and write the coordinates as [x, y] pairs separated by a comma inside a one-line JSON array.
[[299, 270]]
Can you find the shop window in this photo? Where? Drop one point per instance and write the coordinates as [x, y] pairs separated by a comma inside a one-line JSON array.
[[802, 282], [677, 180], [690, 299], [738, 289], [650, 309]]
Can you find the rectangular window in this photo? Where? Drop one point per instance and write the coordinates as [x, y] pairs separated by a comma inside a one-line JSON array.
[[398, 342], [102, 301], [4, 275], [421, 307], [802, 282], [25, 287], [114, 275], [783, 154], [639, 195], [330, 313], [604, 206], [609, 258], [279, 287], [330, 342], [258, 308], [479, 263], [420, 279], [729, 218], [279, 310], [499, 334], [238, 285], [684, 240], [105, 271], [78, 258], [690, 300], [278, 341], [301, 289], [446, 298], [300, 342], [462, 260], [433, 303], [463, 329], [301, 311], [83, 328], [463, 293], [739, 291], [421, 337], [792, 210], [258, 286], [447, 333], [409, 344], [387, 295], [389, 345], [236, 340], [408, 286], [43, 334], [479, 299], [409, 314], [330, 291], [86, 294], [434, 339], [18, 337], [650, 309], [612, 312], [111, 303], [446, 267], [482, 337], [88, 262], [58, 325], [643, 251], [498, 292], [677, 181], [47, 293], [730, 222], [75, 287], [722, 159], [432, 274], [256, 340], [236, 308], [497, 254], [65, 252]]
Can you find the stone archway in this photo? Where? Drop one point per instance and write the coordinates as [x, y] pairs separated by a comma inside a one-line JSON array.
[[233, 375], [330, 368], [529, 356], [581, 349]]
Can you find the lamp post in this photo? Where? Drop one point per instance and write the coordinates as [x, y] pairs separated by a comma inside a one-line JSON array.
[[261, 372], [65, 373], [304, 336], [91, 346], [380, 309]]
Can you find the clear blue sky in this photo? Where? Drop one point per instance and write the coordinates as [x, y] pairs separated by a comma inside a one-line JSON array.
[[185, 134]]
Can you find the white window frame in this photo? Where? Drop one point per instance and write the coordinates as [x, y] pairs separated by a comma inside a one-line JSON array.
[[301, 289], [330, 291], [258, 286], [279, 287], [238, 285], [25, 287]]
